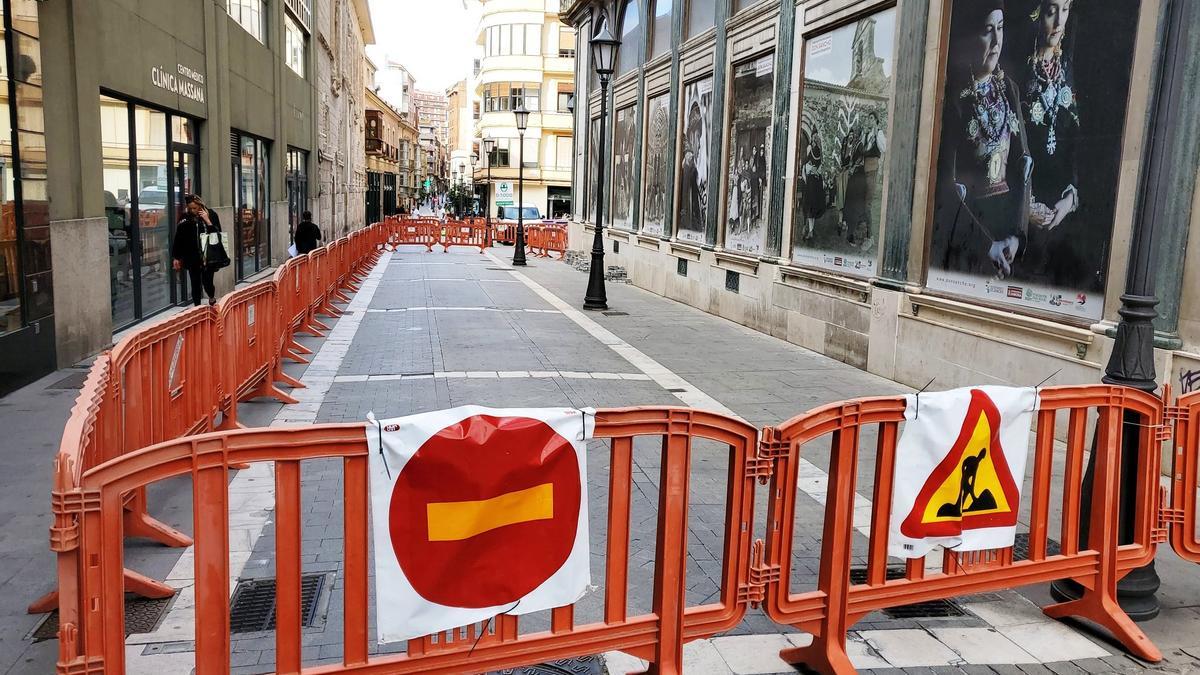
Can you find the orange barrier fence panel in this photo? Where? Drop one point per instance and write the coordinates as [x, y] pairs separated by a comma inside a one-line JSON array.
[[1185, 478], [836, 603], [250, 328], [97, 631], [459, 233]]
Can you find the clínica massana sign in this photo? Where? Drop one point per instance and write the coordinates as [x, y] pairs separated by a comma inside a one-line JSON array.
[[184, 81]]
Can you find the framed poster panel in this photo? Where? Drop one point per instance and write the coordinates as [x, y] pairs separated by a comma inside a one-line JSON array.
[[747, 173], [593, 164], [1030, 150], [842, 146], [654, 172], [693, 163], [624, 141]]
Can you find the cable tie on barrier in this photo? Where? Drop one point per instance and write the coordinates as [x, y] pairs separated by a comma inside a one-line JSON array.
[[1038, 386], [917, 406], [382, 455]]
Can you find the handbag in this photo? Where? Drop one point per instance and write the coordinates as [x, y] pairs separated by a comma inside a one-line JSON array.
[[216, 255]]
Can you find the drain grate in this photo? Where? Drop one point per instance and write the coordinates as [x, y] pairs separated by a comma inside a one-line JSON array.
[[583, 665], [1021, 547], [932, 609], [615, 313], [253, 605], [72, 381], [141, 616], [498, 269]]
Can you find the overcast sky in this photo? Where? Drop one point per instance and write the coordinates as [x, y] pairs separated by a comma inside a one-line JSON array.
[[432, 38]]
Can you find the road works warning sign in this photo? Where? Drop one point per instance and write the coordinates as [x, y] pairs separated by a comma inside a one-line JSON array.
[[960, 462], [477, 512]]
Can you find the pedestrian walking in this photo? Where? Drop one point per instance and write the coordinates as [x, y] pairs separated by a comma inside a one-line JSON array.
[[307, 234], [196, 251]]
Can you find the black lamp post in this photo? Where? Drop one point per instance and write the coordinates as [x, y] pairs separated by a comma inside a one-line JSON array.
[[522, 116], [604, 52], [488, 145], [474, 163]]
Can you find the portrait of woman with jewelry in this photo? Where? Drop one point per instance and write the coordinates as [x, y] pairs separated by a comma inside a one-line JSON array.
[[983, 200]]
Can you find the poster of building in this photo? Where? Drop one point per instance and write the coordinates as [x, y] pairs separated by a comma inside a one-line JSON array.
[[842, 146], [624, 141], [747, 176], [592, 165], [693, 165], [654, 172], [1028, 161]]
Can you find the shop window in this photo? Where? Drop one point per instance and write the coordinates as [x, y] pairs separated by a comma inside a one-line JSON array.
[[654, 163], [251, 216], [841, 151], [696, 132], [296, 178], [660, 36], [623, 142], [251, 15], [295, 41], [629, 55], [739, 5], [701, 15]]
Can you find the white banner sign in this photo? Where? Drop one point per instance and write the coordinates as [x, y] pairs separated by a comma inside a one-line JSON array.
[[477, 512], [960, 463]]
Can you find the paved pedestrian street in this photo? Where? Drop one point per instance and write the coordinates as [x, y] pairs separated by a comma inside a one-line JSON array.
[[429, 331]]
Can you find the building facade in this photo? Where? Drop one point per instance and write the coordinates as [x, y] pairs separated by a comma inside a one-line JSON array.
[[461, 132], [223, 99], [528, 58], [870, 180], [344, 29], [433, 125], [383, 158]]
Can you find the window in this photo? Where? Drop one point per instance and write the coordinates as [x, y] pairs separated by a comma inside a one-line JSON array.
[[563, 151], [505, 96], [302, 10], [513, 40], [660, 35], [500, 153], [530, 160], [296, 178], [566, 42], [565, 92], [475, 110], [629, 56], [251, 225], [533, 39], [739, 5], [701, 15], [295, 44], [250, 15], [476, 67]]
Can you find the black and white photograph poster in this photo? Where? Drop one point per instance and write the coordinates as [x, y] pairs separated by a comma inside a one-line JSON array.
[[592, 166], [1028, 161], [693, 164], [747, 176], [624, 140], [654, 174], [842, 145]]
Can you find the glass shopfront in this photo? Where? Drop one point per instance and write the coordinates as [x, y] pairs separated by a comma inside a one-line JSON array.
[[296, 178], [26, 289], [252, 227], [151, 160]]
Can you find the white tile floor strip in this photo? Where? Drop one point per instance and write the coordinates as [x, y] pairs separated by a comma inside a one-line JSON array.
[[892, 647], [252, 491], [492, 375]]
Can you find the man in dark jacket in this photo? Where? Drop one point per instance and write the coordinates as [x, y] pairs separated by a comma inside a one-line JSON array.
[[307, 234]]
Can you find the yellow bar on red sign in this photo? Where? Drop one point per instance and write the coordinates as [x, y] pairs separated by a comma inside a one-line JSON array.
[[455, 521]]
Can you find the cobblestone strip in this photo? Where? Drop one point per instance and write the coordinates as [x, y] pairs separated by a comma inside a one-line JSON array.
[[252, 491]]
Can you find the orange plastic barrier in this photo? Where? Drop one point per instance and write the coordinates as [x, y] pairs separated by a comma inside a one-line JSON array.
[[175, 378], [546, 239], [459, 233], [413, 232], [836, 604], [1181, 515], [92, 628]]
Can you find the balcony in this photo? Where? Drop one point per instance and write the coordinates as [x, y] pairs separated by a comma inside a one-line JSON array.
[[558, 65], [558, 122]]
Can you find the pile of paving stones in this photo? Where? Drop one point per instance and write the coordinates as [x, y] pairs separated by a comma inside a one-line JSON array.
[[582, 261]]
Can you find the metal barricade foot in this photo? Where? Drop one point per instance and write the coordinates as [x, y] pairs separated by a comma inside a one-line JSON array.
[[823, 655], [138, 523], [1103, 610]]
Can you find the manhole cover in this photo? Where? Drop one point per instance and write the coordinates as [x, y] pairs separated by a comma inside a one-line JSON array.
[[922, 610], [584, 665], [141, 616], [1021, 547], [615, 313], [72, 381], [253, 605]]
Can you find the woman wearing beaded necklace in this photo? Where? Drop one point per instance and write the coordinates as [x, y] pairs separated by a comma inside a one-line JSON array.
[[982, 208], [1051, 110]]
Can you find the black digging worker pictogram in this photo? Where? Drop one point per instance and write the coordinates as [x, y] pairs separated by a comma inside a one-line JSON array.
[[984, 501]]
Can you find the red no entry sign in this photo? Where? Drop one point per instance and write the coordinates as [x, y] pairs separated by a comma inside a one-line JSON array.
[[486, 511]]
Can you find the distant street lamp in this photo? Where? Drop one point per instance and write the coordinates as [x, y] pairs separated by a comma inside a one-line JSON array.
[[522, 116], [604, 51], [474, 163]]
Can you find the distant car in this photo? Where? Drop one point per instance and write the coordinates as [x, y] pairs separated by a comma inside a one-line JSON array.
[[506, 221]]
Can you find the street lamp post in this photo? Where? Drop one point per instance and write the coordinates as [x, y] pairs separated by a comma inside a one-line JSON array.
[[474, 163], [488, 145], [604, 50], [522, 116]]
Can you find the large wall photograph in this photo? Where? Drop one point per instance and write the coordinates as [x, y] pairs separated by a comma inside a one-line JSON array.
[[747, 176], [593, 166], [842, 145], [1035, 99], [624, 140], [654, 174], [693, 174]]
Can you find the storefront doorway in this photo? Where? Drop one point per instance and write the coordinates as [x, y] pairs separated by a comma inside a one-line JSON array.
[[252, 224], [151, 160]]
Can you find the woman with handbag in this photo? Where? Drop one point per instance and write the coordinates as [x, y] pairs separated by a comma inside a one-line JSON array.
[[198, 247]]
